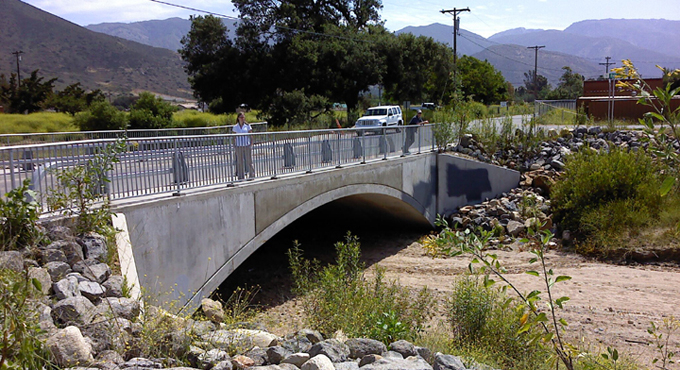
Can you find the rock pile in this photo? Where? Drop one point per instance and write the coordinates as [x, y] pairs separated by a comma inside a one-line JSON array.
[[89, 324], [549, 155]]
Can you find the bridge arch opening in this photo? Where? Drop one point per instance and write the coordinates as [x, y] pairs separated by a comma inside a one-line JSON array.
[[384, 225]]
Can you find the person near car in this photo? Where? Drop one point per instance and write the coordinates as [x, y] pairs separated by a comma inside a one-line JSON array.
[[244, 154], [411, 131]]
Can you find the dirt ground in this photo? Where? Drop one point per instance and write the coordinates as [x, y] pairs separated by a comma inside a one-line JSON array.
[[611, 305]]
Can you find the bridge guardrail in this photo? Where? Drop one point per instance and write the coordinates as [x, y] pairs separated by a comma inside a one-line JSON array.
[[173, 164], [54, 137]]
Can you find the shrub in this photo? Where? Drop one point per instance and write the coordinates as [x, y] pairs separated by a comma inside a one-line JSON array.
[[605, 191], [18, 218], [340, 297], [100, 116], [485, 320], [19, 343], [150, 112]]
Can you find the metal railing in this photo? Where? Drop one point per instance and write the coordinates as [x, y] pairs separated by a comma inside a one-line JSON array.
[[54, 137], [542, 107], [173, 164]]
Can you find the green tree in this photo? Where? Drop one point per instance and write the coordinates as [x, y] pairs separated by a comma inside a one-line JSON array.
[[538, 89], [570, 87], [150, 112], [73, 99], [480, 81], [28, 96], [100, 116], [417, 68]]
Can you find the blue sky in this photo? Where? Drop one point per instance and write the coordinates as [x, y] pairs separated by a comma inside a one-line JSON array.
[[486, 17]]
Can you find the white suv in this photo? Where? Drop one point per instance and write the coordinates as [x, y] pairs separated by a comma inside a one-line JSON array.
[[382, 116]]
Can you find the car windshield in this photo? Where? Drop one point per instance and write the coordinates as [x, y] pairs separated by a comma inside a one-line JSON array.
[[376, 112]]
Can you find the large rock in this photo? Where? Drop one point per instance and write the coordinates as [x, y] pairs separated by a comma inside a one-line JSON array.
[[69, 348], [52, 255], [43, 277], [405, 348], [94, 246], [515, 228], [12, 260], [276, 354], [91, 290], [76, 310], [318, 362], [296, 359], [114, 286], [239, 338], [447, 362], [93, 271], [72, 250], [66, 288], [57, 270], [410, 363], [360, 347], [332, 348], [212, 310], [118, 307], [60, 233]]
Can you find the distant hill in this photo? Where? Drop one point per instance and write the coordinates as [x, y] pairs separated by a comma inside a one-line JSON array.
[[511, 60], [74, 54], [513, 32], [514, 60], [159, 33], [594, 49], [467, 43], [660, 35]]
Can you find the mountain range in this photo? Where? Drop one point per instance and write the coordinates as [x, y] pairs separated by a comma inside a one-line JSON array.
[[72, 53], [142, 56]]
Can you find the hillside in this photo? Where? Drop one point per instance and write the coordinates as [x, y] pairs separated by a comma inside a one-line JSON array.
[[514, 60], [159, 33], [467, 43], [654, 34], [594, 49], [74, 54]]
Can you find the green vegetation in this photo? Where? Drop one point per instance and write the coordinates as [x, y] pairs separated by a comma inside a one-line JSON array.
[[20, 346], [19, 217], [340, 297], [150, 112], [100, 116], [601, 193], [36, 122]]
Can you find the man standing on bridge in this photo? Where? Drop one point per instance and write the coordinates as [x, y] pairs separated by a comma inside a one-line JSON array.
[[244, 155], [411, 131]]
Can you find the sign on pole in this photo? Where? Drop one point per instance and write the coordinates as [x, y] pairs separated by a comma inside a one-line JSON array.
[[612, 75]]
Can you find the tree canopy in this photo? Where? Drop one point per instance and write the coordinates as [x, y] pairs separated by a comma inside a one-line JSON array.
[[570, 87], [480, 81], [328, 51]]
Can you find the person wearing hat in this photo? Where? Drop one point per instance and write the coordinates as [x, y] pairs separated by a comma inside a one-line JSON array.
[[411, 131]]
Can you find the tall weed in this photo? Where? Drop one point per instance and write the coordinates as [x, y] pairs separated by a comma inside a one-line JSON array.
[[340, 297]]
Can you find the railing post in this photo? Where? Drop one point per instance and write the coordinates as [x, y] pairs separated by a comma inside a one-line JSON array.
[[386, 144], [338, 151], [309, 151], [420, 136], [363, 149], [273, 141]]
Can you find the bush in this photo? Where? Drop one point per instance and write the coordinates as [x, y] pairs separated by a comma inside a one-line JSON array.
[[100, 116], [339, 297], [18, 218], [606, 191], [20, 346], [150, 112], [485, 320]]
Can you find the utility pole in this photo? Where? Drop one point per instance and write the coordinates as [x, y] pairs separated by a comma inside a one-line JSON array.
[[456, 24], [17, 54], [536, 68], [607, 64]]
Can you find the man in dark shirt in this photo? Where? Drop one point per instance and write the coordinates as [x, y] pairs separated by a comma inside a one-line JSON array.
[[411, 131]]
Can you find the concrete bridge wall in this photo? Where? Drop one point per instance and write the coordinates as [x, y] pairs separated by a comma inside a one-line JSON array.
[[186, 246]]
